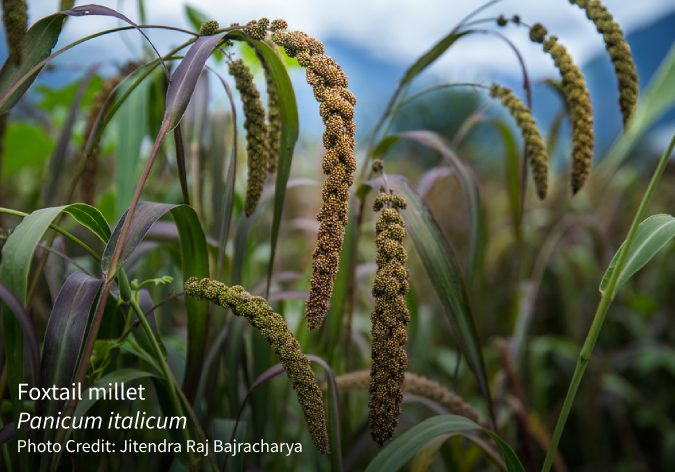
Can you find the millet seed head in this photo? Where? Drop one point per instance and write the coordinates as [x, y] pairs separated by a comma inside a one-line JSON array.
[[257, 144], [15, 19], [273, 328], [535, 146], [578, 101], [619, 52], [209, 27], [336, 107], [389, 319]]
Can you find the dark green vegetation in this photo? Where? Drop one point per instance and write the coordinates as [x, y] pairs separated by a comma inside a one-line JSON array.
[[116, 191]]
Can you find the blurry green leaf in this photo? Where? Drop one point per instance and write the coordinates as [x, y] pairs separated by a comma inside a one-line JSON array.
[[288, 110], [131, 122], [651, 236], [512, 173], [195, 17], [52, 98], [430, 56], [397, 453], [42, 37], [469, 186], [445, 275], [26, 147]]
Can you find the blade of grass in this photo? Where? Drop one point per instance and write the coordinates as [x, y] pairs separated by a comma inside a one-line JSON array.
[[397, 453]]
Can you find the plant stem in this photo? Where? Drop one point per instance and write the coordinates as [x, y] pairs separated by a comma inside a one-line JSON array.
[[601, 312]]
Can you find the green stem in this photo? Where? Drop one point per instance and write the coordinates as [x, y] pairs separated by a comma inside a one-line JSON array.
[[166, 370], [601, 312]]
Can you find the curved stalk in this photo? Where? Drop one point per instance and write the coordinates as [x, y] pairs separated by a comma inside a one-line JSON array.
[[603, 307]]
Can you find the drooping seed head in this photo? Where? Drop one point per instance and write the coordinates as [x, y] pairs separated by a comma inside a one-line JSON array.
[[15, 18], [619, 52], [257, 147], [535, 147], [273, 328], [578, 102]]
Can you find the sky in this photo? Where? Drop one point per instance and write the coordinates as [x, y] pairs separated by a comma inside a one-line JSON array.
[[395, 31]]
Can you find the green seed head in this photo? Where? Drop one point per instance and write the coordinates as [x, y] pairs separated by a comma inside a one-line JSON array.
[[15, 18], [619, 52], [209, 27], [273, 328], [535, 147]]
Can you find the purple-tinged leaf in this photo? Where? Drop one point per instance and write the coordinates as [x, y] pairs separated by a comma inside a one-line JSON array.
[[100, 10], [20, 313], [184, 79], [65, 332]]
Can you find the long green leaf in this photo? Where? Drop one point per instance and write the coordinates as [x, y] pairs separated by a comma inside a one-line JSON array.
[[469, 186], [41, 37], [397, 453], [445, 275], [431, 55], [288, 110], [651, 236]]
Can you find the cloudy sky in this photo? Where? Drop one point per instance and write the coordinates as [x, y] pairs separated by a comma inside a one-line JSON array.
[[395, 30]]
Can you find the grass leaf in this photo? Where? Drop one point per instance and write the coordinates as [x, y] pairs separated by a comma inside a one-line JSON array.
[[398, 452], [42, 37], [651, 236]]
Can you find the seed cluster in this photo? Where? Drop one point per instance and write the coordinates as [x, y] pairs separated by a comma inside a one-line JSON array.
[[535, 147], [578, 103], [15, 18], [389, 319], [209, 27], [273, 328], [273, 120], [417, 385], [256, 133], [619, 53], [336, 106]]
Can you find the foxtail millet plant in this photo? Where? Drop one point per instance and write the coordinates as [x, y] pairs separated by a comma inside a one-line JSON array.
[[329, 84], [417, 385], [273, 328], [619, 52], [256, 132], [535, 146], [578, 103], [389, 319], [15, 18]]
